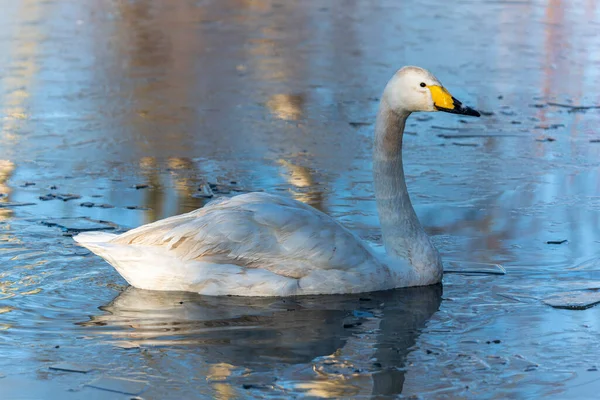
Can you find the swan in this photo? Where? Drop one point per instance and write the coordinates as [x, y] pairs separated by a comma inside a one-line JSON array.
[[259, 244]]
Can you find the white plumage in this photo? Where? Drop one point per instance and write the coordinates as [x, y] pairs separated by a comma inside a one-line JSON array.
[[253, 244], [258, 244]]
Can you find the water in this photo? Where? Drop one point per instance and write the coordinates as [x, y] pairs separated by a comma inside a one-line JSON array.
[[98, 97]]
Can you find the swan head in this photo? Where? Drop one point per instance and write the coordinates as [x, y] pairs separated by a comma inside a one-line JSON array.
[[413, 89]]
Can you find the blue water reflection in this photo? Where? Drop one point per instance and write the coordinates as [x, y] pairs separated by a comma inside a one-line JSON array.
[[98, 97]]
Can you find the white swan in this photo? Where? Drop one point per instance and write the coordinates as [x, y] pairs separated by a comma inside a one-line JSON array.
[[258, 244]]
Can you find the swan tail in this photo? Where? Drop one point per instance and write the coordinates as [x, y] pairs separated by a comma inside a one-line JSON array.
[[93, 237], [96, 242], [157, 268]]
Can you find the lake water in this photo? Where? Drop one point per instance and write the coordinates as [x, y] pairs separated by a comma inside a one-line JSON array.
[[100, 98]]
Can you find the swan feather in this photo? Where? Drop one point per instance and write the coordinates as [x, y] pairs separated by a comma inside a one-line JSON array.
[[254, 244]]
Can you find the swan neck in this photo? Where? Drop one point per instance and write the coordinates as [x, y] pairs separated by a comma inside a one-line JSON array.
[[403, 235]]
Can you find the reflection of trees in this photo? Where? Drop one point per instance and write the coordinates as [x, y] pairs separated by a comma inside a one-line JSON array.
[[317, 343], [286, 106], [6, 170], [175, 70], [153, 77], [182, 174], [306, 189], [189, 98], [154, 198], [16, 87]]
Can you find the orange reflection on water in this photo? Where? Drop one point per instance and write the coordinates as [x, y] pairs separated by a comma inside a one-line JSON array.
[[288, 107], [17, 85]]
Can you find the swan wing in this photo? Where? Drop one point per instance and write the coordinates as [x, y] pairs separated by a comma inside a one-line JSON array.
[[256, 230]]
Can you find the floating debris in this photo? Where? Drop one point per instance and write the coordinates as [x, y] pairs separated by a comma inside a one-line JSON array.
[[470, 267], [471, 136], [573, 108], [139, 186], [26, 184], [219, 188], [595, 141], [549, 127], [75, 225], [67, 197], [443, 128], [63, 197], [465, 144], [222, 189], [359, 124], [82, 369], [10, 204], [556, 241], [545, 139], [137, 208], [575, 300], [119, 385], [89, 204], [204, 192]]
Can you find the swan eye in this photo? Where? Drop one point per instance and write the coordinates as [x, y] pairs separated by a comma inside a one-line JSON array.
[[423, 84]]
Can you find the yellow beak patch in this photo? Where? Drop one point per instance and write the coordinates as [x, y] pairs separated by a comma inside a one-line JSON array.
[[441, 97]]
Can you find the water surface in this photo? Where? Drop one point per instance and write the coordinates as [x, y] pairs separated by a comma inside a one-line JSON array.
[[97, 97]]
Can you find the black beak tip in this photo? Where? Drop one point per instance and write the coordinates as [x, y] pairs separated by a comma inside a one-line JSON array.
[[472, 112], [461, 110]]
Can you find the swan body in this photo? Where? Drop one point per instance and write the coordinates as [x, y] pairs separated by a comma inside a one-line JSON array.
[[258, 244]]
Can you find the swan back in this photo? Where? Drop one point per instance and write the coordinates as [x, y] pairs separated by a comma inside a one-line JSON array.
[[254, 244]]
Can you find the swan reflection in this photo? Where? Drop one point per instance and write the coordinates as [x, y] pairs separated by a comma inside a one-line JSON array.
[[326, 346]]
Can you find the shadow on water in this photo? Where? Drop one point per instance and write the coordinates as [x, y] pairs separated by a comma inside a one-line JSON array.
[[319, 345]]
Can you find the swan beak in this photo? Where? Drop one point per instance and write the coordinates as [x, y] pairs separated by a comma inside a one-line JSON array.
[[443, 101]]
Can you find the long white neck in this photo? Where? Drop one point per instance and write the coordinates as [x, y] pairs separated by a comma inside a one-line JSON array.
[[403, 235]]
